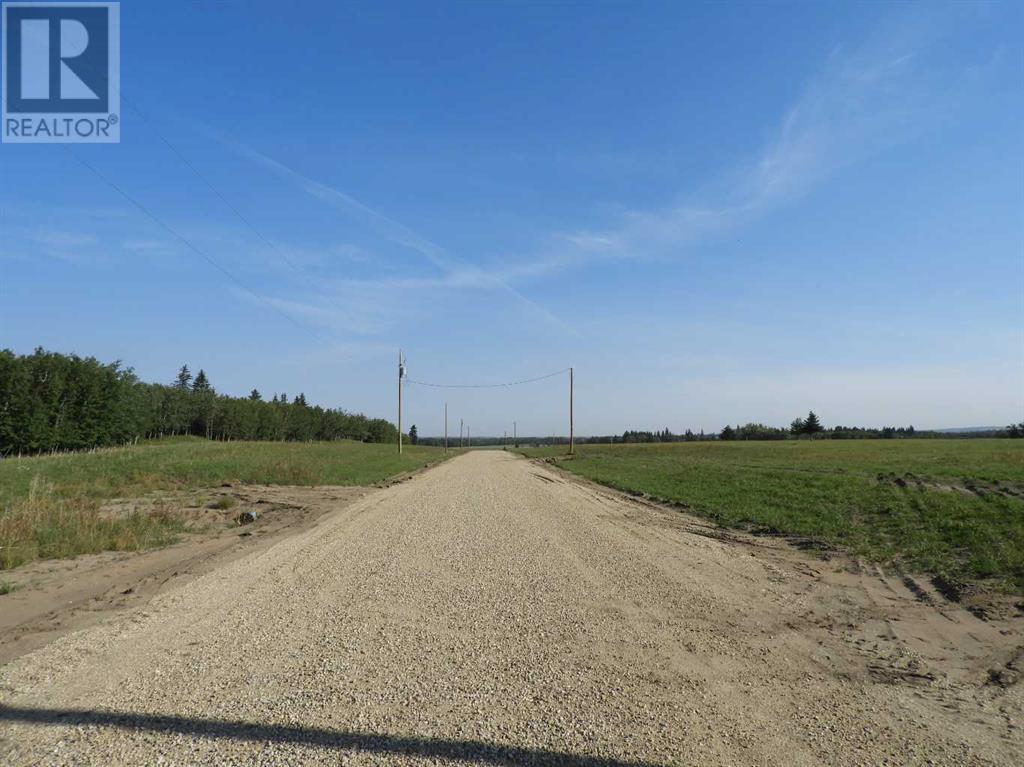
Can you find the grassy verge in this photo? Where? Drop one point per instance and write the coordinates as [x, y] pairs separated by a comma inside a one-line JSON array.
[[50, 506], [953, 508]]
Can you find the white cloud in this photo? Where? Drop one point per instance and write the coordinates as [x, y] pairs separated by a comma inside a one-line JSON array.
[[863, 102], [63, 245], [147, 246], [62, 240], [394, 231], [344, 310]]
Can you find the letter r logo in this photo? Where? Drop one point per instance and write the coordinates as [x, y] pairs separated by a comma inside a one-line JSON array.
[[57, 57], [36, 63]]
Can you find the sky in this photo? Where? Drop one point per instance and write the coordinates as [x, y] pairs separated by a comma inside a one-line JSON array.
[[715, 213]]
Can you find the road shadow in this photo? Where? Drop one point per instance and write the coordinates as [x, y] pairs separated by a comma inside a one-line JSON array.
[[406, 745]]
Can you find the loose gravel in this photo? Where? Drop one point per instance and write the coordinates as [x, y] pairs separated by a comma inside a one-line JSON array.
[[489, 611]]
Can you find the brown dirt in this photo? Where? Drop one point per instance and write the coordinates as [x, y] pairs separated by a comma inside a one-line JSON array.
[[54, 597]]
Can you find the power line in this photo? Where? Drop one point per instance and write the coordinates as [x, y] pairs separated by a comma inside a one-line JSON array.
[[238, 214], [241, 217], [209, 185], [487, 386], [188, 243]]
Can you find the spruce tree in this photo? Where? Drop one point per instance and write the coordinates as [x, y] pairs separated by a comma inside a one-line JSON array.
[[812, 425], [254, 395], [183, 379], [202, 383]]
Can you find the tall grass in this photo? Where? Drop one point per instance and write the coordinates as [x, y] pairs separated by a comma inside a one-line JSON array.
[[44, 525], [50, 506]]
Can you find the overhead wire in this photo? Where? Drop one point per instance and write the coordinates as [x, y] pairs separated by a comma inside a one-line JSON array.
[[209, 185], [191, 246], [234, 209], [487, 386]]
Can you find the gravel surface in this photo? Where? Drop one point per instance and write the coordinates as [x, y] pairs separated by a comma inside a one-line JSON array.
[[492, 611]]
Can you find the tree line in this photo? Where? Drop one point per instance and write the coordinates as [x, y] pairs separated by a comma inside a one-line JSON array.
[[809, 427], [812, 428], [51, 401]]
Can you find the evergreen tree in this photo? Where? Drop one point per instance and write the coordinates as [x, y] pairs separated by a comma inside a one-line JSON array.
[[797, 427], [300, 400], [414, 436], [812, 425], [183, 379], [202, 384], [728, 433], [254, 396]]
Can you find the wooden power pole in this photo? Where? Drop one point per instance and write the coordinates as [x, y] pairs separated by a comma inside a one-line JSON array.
[[401, 372], [572, 448]]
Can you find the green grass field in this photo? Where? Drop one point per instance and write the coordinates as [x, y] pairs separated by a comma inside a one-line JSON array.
[[953, 508], [49, 506]]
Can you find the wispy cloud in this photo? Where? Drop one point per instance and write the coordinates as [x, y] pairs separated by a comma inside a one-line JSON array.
[[58, 239], [349, 312], [863, 102], [455, 272], [147, 246], [64, 245], [323, 256]]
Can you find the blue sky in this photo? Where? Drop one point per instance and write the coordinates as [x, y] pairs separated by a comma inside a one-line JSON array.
[[715, 212]]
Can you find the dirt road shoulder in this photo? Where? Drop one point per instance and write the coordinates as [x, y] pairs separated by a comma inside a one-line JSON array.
[[50, 598]]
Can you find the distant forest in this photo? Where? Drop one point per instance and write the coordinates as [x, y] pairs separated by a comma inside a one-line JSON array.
[[809, 427], [51, 401]]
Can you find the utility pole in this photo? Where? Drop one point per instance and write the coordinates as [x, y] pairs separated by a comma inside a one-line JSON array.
[[446, 427], [460, 434], [401, 373], [515, 438], [469, 439], [572, 448]]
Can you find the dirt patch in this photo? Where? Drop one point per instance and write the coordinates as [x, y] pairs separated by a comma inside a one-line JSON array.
[[929, 633], [53, 597], [975, 487]]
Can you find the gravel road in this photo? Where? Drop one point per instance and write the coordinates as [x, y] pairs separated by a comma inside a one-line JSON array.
[[493, 611]]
